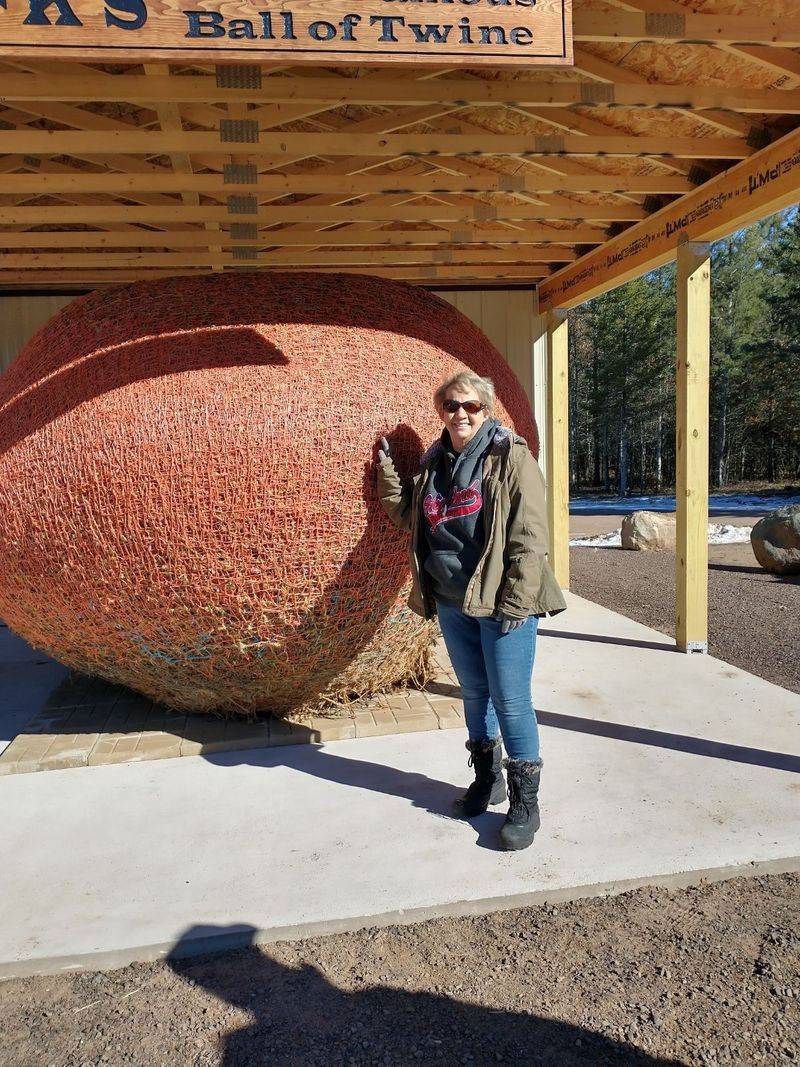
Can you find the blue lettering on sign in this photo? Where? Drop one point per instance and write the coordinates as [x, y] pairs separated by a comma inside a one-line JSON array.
[[430, 32], [210, 24], [136, 8], [37, 14], [204, 24]]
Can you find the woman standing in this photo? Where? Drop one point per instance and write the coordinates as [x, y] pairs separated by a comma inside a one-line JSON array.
[[477, 518]]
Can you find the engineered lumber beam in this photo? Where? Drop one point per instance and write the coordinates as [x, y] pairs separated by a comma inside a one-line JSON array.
[[759, 186], [51, 168], [278, 145], [693, 292]]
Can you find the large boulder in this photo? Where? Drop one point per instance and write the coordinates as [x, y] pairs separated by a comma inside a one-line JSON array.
[[187, 493], [776, 540], [649, 531]]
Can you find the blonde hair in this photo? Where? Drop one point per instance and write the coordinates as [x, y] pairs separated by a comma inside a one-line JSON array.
[[464, 380]]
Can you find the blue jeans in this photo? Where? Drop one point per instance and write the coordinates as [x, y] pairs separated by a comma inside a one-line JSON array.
[[494, 671]]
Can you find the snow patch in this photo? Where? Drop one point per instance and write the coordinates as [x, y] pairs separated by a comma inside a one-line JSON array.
[[718, 534], [724, 534], [609, 540]]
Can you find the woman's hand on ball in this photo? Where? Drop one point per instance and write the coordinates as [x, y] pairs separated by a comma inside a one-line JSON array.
[[384, 452]]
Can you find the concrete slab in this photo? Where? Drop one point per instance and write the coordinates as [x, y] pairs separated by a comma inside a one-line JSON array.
[[659, 767]]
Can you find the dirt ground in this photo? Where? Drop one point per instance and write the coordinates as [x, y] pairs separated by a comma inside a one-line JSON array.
[[754, 616], [709, 975]]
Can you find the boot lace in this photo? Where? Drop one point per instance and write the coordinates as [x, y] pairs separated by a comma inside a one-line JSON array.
[[482, 761]]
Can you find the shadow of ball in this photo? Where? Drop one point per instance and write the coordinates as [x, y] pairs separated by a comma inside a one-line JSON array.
[[187, 490]]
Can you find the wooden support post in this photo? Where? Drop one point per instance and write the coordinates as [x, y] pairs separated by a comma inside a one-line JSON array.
[[557, 450], [538, 379], [691, 446]]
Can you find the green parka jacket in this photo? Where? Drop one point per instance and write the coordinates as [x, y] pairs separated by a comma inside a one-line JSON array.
[[513, 575]]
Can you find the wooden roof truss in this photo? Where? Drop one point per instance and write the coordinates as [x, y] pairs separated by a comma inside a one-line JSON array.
[[114, 173]]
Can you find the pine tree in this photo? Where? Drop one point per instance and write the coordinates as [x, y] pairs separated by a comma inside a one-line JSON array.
[[772, 371], [622, 374]]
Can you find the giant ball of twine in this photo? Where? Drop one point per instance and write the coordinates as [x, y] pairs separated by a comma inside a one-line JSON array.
[[188, 502]]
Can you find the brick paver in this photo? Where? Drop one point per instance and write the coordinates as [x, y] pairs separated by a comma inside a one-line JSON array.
[[87, 722]]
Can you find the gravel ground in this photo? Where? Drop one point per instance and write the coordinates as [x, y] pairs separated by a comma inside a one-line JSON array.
[[753, 616], [709, 975]]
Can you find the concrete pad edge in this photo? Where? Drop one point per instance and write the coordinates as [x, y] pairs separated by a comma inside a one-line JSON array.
[[109, 959]]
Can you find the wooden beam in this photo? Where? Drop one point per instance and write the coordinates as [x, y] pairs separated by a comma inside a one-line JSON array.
[[693, 290], [691, 29], [557, 448], [342, 92], [366, 258], [373, 211], [470, 235], [88, 120], [396, 182], [51, 168], [10, 280], [153, 143], [763, 184]]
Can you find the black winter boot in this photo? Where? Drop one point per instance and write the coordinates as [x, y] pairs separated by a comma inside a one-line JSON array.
[[488, 788], [522, 820]]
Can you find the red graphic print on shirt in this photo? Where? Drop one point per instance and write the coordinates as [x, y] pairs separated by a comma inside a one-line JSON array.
[[462, 502]]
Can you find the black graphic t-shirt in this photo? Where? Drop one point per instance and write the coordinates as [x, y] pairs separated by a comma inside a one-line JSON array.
[[453, 515]]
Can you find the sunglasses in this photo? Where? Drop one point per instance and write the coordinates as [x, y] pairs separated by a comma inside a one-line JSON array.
[[470, 406]]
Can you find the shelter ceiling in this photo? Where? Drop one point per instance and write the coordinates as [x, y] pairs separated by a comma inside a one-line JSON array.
[[111, 172]]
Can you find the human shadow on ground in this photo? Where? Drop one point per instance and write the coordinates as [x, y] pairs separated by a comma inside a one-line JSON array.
[[430, 794], [300, 1018]]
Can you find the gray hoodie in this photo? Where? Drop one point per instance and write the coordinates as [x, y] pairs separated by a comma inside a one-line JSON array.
[[453, 510]]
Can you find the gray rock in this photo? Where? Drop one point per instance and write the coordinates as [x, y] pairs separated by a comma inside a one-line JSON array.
[[776, 540]]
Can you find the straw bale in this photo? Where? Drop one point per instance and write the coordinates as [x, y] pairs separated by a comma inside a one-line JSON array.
[[187, 493]]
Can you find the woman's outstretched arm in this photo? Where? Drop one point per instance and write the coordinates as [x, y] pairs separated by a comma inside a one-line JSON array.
[[395, 493]]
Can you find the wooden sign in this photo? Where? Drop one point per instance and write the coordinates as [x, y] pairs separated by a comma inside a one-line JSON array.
[[766, 182], [444, 32]]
